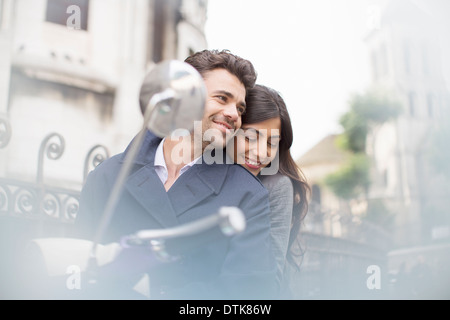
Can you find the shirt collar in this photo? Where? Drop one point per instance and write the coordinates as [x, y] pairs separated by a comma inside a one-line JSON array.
[[159, 155], [160, 161]]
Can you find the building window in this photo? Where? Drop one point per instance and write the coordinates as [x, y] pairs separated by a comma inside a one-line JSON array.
[[315, 194], [407, 57], [445, 105], [1, 14], [375, 66], [57, 12], [385, 178], [412, 104], [159, 20], [425, 61], [384, 60], [430, 105]]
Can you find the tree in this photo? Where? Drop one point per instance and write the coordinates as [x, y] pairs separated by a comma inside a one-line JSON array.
[[352, 179], [366, 111]]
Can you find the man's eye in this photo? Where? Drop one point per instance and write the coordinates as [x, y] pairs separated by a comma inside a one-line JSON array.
[[223, 98], [250, 139], [241, 110]]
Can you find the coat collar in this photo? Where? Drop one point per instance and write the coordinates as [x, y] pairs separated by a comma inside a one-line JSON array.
[[147, 150], [146, 188], [195, 185]]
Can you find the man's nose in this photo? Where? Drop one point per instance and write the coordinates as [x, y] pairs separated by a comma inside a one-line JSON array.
[[231, 112]]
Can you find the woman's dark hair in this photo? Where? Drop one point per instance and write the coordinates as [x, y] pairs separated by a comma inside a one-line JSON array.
[[264, 103], [207, 60]]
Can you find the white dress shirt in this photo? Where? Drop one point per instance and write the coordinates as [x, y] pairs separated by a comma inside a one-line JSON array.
[[160, 163]]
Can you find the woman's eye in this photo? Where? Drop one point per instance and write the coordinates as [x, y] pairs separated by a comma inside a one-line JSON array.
[[273, 144]]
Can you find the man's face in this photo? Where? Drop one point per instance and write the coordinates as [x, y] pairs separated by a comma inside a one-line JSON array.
[[225, 103]]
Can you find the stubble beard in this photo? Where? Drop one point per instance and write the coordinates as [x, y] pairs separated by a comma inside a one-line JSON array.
[[213, 137]]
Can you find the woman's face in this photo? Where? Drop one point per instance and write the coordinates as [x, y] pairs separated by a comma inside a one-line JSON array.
[[256, 144]]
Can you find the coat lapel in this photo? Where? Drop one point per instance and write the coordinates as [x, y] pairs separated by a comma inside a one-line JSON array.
[[146, 187], [195, 185]]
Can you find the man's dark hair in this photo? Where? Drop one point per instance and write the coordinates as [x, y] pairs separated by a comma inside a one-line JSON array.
[[208, 60]]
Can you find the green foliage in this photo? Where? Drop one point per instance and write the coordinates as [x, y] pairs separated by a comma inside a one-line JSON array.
[[355, 132], [375, 107], [351, 179], [365, 111]]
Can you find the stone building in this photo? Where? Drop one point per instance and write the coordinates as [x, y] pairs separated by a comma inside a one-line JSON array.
[[321, 160], [70, 75], [408, 48], [409, 55], [74, 67]]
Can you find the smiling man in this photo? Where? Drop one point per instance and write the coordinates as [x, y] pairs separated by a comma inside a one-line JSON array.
[[162, 192], [225, 104]]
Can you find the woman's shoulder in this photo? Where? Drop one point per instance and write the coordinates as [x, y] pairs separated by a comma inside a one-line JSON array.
[[277, 181]]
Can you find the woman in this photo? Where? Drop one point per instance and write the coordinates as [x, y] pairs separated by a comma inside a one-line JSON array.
[[262, 146]]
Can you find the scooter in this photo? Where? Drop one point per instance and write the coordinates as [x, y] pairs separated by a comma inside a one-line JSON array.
[[172, 97]]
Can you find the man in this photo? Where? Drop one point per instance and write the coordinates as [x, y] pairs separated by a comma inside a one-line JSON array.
[[161, 192]]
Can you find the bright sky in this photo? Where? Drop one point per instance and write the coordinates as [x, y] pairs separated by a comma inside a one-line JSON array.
[[312, 52]]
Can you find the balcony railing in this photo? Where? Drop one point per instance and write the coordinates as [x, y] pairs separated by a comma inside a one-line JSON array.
[[37, 201]]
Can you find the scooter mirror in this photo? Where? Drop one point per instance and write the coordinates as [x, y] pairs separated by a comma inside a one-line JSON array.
[[172, 96]]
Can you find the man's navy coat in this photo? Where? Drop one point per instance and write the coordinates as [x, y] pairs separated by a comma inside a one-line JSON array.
[[238, 267]]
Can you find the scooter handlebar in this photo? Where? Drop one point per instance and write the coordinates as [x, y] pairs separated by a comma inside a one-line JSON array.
[[230, 220]]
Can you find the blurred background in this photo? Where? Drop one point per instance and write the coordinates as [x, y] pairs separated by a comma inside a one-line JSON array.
[[366, 82]]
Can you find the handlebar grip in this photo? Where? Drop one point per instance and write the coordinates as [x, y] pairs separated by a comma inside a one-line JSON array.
[[171, 241]]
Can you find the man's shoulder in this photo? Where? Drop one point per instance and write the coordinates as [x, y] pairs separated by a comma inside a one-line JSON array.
[[105, 173], [144, 156], [244, 173], [108, 164], [237, 175]]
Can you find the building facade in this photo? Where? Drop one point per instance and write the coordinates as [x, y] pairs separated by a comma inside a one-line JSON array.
[[74, 68], [407, 53], [70, 76]]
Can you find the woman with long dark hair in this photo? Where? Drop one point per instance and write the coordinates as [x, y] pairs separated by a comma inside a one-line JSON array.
[[262, 146]]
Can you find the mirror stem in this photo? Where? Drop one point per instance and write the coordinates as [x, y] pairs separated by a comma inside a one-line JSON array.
[[114, 196]]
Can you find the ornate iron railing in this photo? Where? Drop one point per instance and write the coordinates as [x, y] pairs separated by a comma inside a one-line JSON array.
[[5, 132], [338, 250], [36, 200], [350, 227], [27, 200], [336, 268]]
